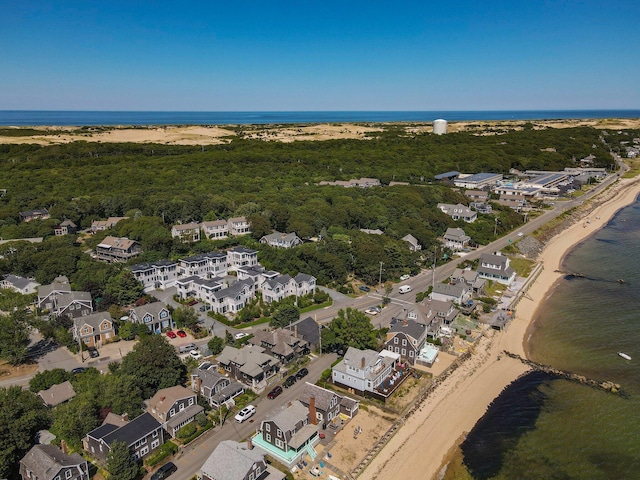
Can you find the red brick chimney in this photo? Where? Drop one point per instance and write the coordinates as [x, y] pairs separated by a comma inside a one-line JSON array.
[[249, 444], [312, 410], [363, 363], [198, 384], [63, 447]]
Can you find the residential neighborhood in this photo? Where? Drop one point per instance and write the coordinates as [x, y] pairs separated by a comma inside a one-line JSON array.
[[276, 371]]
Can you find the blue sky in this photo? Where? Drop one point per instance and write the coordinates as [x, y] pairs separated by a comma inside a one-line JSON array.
[[347, 55]]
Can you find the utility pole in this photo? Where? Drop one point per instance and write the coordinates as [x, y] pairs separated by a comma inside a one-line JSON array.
[[495, 227], [380, 276], [433, 279]]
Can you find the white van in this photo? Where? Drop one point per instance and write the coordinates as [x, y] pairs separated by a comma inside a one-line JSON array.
[[405, 289]]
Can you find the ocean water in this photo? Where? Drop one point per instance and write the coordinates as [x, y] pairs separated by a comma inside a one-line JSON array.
[[87, 118], [542, 427]]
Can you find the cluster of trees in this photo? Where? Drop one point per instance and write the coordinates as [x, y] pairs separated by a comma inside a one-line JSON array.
[[351, 328], [183, 184], [274, 185], [150, 366]]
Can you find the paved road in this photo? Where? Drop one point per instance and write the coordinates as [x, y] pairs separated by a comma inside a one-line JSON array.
[[194, 456]]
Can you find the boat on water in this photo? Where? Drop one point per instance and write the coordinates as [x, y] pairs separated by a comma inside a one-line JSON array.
[[624, 355]]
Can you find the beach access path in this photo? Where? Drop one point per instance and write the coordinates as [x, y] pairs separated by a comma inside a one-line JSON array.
[[420, 447]]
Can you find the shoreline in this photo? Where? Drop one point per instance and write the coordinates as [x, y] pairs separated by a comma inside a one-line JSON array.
[[444, 418]]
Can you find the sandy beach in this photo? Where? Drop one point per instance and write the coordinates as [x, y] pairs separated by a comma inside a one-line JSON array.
[[221, 134], [420, 447]]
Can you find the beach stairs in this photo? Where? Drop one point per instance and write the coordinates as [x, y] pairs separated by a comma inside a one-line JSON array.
[[311, 451]]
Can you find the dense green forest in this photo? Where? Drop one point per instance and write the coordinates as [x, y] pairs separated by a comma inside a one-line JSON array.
[[275, 185]]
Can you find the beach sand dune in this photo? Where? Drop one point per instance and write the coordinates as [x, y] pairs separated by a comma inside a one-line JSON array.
[[420, 447]]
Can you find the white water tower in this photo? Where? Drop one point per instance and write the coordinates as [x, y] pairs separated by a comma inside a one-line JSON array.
[[440, 126]]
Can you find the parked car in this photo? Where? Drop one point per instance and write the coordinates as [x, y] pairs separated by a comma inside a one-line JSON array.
[[171, 334], [78, 370], [192, 303], [93, 352], [195, 354], [364, 288], [404, 277], [181, 333], [245, 413], [291, 379], [164, 471], [277, 390], [187, 347], [240, 335], [202, 308], [372, 311], [303, 372]]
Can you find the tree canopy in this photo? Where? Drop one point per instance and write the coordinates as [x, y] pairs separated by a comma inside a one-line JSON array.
[[22, 414], [351, 328], [120, 463], [155, 364]]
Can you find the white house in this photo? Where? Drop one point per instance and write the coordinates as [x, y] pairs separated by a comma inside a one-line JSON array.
[[281, 240], [157, 275], [496, 267], [188, 232], [458, 212], [364, 370]]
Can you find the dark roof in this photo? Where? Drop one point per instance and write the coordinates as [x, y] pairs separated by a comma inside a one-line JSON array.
[[408, 327], [102, 430], [136, 429], [308, 329], [442, 176], [46, 460]]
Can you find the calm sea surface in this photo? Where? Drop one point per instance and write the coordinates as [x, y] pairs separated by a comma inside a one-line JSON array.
[[83, 118], [545, 428]]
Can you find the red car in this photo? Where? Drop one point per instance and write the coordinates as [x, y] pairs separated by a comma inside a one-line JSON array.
[[171, 334], [275, 392], [181, 333]]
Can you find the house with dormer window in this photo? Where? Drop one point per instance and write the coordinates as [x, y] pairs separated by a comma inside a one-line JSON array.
[[364, 370], [458, 212], [143, 435], [214, 387], [157, 275], [48, 462], [95, 329], [289, 434], [47, 294], [155, 316], [249, 364], [73, 304], [456, 239], [406, 337], [281, 240], [496, 267], [281, 343], [174, 407]]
